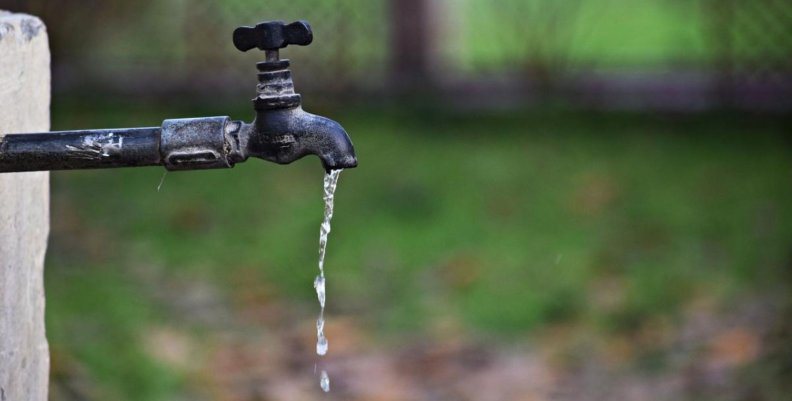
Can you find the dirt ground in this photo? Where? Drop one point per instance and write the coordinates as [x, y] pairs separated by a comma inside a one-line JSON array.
[[258, 351]]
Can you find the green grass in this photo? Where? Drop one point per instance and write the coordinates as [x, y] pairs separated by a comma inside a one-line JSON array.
[[504, 222]]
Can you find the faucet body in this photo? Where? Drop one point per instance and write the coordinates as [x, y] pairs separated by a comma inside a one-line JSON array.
[[281, 132]]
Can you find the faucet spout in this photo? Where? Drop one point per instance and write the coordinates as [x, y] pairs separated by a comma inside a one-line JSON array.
[[287, 134]]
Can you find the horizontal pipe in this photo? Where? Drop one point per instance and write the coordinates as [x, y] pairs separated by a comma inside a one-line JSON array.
[[84, 149]]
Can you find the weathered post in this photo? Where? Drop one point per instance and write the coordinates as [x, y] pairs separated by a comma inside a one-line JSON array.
[[411, 43], [24, 212]]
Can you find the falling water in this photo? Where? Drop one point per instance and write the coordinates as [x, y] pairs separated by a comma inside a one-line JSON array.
[[324, 381], [330, 181]]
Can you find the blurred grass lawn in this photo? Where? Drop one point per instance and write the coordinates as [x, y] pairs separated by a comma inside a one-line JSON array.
[[505, 222]]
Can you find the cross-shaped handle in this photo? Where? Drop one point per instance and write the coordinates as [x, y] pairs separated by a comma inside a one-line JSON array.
[[272, 35]]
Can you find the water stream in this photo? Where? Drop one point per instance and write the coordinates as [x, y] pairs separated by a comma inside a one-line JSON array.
[[330, 182]]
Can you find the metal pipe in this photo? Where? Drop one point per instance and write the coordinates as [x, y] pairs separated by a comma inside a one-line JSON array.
[[83, 149]]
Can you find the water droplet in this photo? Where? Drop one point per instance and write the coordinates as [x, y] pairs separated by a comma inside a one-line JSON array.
[[321, 345], [324, 381]]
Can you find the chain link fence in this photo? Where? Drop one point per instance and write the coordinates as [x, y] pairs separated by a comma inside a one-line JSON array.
[[726, 51], [162, 46]]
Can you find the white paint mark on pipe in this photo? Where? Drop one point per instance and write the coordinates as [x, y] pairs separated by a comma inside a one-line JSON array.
[[98, 146]]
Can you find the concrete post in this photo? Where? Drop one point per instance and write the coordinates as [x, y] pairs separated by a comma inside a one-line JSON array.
[[24, 212]]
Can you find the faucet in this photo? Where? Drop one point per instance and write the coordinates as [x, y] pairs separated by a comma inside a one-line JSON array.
[[281, 131]]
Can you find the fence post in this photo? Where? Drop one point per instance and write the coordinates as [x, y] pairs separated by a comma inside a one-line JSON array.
[[410, 44], [24, 212]]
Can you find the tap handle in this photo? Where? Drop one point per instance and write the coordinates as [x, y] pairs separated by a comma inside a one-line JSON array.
[[272, 35]]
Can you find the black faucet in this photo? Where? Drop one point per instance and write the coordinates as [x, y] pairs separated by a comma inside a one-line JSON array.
[[282, 131]]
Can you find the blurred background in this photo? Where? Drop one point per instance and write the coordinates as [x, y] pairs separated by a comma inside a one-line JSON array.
[[556, 200]]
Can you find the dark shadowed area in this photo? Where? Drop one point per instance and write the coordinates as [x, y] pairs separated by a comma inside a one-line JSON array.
[[578, 200]]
